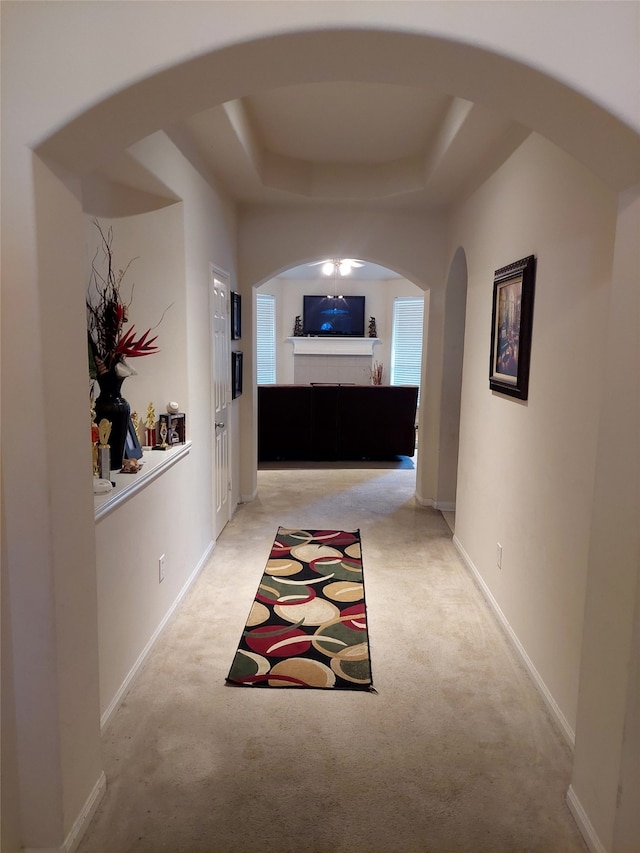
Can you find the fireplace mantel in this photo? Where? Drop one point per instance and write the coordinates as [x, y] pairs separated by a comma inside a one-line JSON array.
[[332, 346]]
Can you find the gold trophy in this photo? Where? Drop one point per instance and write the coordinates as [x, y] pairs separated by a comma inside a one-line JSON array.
[[104, 450], [163, 437], [150, 431]]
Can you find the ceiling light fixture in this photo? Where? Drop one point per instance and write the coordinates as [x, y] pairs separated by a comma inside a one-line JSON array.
[[335, 267], [339, 266]]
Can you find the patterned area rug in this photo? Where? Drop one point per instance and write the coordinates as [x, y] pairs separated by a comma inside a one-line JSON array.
[[308, 623]]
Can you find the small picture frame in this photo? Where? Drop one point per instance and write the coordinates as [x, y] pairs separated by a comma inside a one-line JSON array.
[[236, 374], [132, 449], [236, 316], [511, 325]]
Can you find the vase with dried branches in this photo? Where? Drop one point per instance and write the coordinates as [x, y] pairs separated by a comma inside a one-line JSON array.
[[110, 344], [377, 372]]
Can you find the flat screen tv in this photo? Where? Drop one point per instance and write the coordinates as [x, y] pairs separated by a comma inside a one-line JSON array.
[[333, 315]]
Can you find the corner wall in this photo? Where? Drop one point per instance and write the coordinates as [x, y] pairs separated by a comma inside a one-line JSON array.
[[606, 774], [174, 247], [526, 470]]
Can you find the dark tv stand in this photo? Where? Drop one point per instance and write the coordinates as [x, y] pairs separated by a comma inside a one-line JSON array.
[[327, 421]]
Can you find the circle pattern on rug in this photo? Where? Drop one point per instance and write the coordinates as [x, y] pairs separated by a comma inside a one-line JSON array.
[[308, 624]]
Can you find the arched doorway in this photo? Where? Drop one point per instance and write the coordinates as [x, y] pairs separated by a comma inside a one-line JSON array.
[[293, 360], [452, 362]]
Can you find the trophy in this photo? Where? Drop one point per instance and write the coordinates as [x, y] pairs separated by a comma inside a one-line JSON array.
[[94, 439], [104, 451], [163, 432], [150, 430]]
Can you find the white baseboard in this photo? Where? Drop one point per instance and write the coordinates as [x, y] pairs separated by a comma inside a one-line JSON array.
[[551, 703], [423, 501], [126, 684], [247, 499], [586, 828], [81, 823], [84, 818], [443, 506]]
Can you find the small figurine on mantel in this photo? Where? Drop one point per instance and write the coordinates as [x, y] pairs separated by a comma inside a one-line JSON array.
[[373, 332], [297, 327]]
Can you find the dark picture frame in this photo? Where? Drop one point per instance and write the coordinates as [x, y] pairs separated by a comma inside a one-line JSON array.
[[511, 326], [236, 316], [236, 374], [132, 449]]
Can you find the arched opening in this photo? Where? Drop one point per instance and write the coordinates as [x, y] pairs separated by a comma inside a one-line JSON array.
[[301, 357], [452, 363]]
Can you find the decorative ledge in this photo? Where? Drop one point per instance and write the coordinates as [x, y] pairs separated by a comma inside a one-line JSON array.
[[156, 462], [333, 346]]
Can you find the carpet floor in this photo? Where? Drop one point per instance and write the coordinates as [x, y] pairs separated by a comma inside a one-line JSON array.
[[456, 753]]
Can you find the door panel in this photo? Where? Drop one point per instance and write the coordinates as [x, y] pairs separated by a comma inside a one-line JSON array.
[[220, 396]]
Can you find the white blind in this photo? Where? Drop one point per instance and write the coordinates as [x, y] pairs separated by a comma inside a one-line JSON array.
[[406, 341], [265, 339]]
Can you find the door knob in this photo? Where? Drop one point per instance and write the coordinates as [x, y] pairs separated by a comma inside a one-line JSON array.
[[219, 424]]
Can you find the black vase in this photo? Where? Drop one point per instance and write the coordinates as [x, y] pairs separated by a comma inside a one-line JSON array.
[[110, 404]]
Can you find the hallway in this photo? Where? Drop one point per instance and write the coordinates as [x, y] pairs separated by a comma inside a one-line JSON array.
[[455, 753]]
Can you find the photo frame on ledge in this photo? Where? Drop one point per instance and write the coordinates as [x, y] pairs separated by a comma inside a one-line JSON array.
[[236, 316], [511, 326], [236, 374]]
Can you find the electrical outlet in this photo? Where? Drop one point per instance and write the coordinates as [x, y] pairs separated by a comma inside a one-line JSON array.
[[161, 569], [499, 554]]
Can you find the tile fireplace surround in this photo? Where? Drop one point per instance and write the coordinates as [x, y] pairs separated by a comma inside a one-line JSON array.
[[330, 359]]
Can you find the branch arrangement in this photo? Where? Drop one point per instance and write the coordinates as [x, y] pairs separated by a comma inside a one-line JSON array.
[[377, 372], [107, 313]]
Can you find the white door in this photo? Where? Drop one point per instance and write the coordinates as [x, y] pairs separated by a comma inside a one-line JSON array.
[[220, 397]]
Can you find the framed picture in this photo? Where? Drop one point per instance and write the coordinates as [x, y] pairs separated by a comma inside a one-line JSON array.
[[236, 316], [132, 449], [236, 374], [511, 322]]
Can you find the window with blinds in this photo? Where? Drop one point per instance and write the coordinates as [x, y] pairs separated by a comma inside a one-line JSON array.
[[406, 341], [265, 339]]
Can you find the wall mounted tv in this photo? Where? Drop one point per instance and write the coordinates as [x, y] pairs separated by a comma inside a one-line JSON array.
[[333, 315]]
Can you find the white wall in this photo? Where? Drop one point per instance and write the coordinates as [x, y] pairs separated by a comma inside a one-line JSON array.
[[174, 247], [606, 772], [155, 285], [526, 470]]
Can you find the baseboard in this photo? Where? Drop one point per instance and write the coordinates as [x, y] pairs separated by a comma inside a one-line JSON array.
[[443, 506], [544, 691], [586, 828], [126, 684], [247, 499], [84, 818], [423, 501], [81, 823]]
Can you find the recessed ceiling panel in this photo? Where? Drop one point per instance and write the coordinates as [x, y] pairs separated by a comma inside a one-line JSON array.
[[346, 122]]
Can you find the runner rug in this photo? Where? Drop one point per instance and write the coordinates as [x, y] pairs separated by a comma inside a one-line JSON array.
[[308, 624]]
